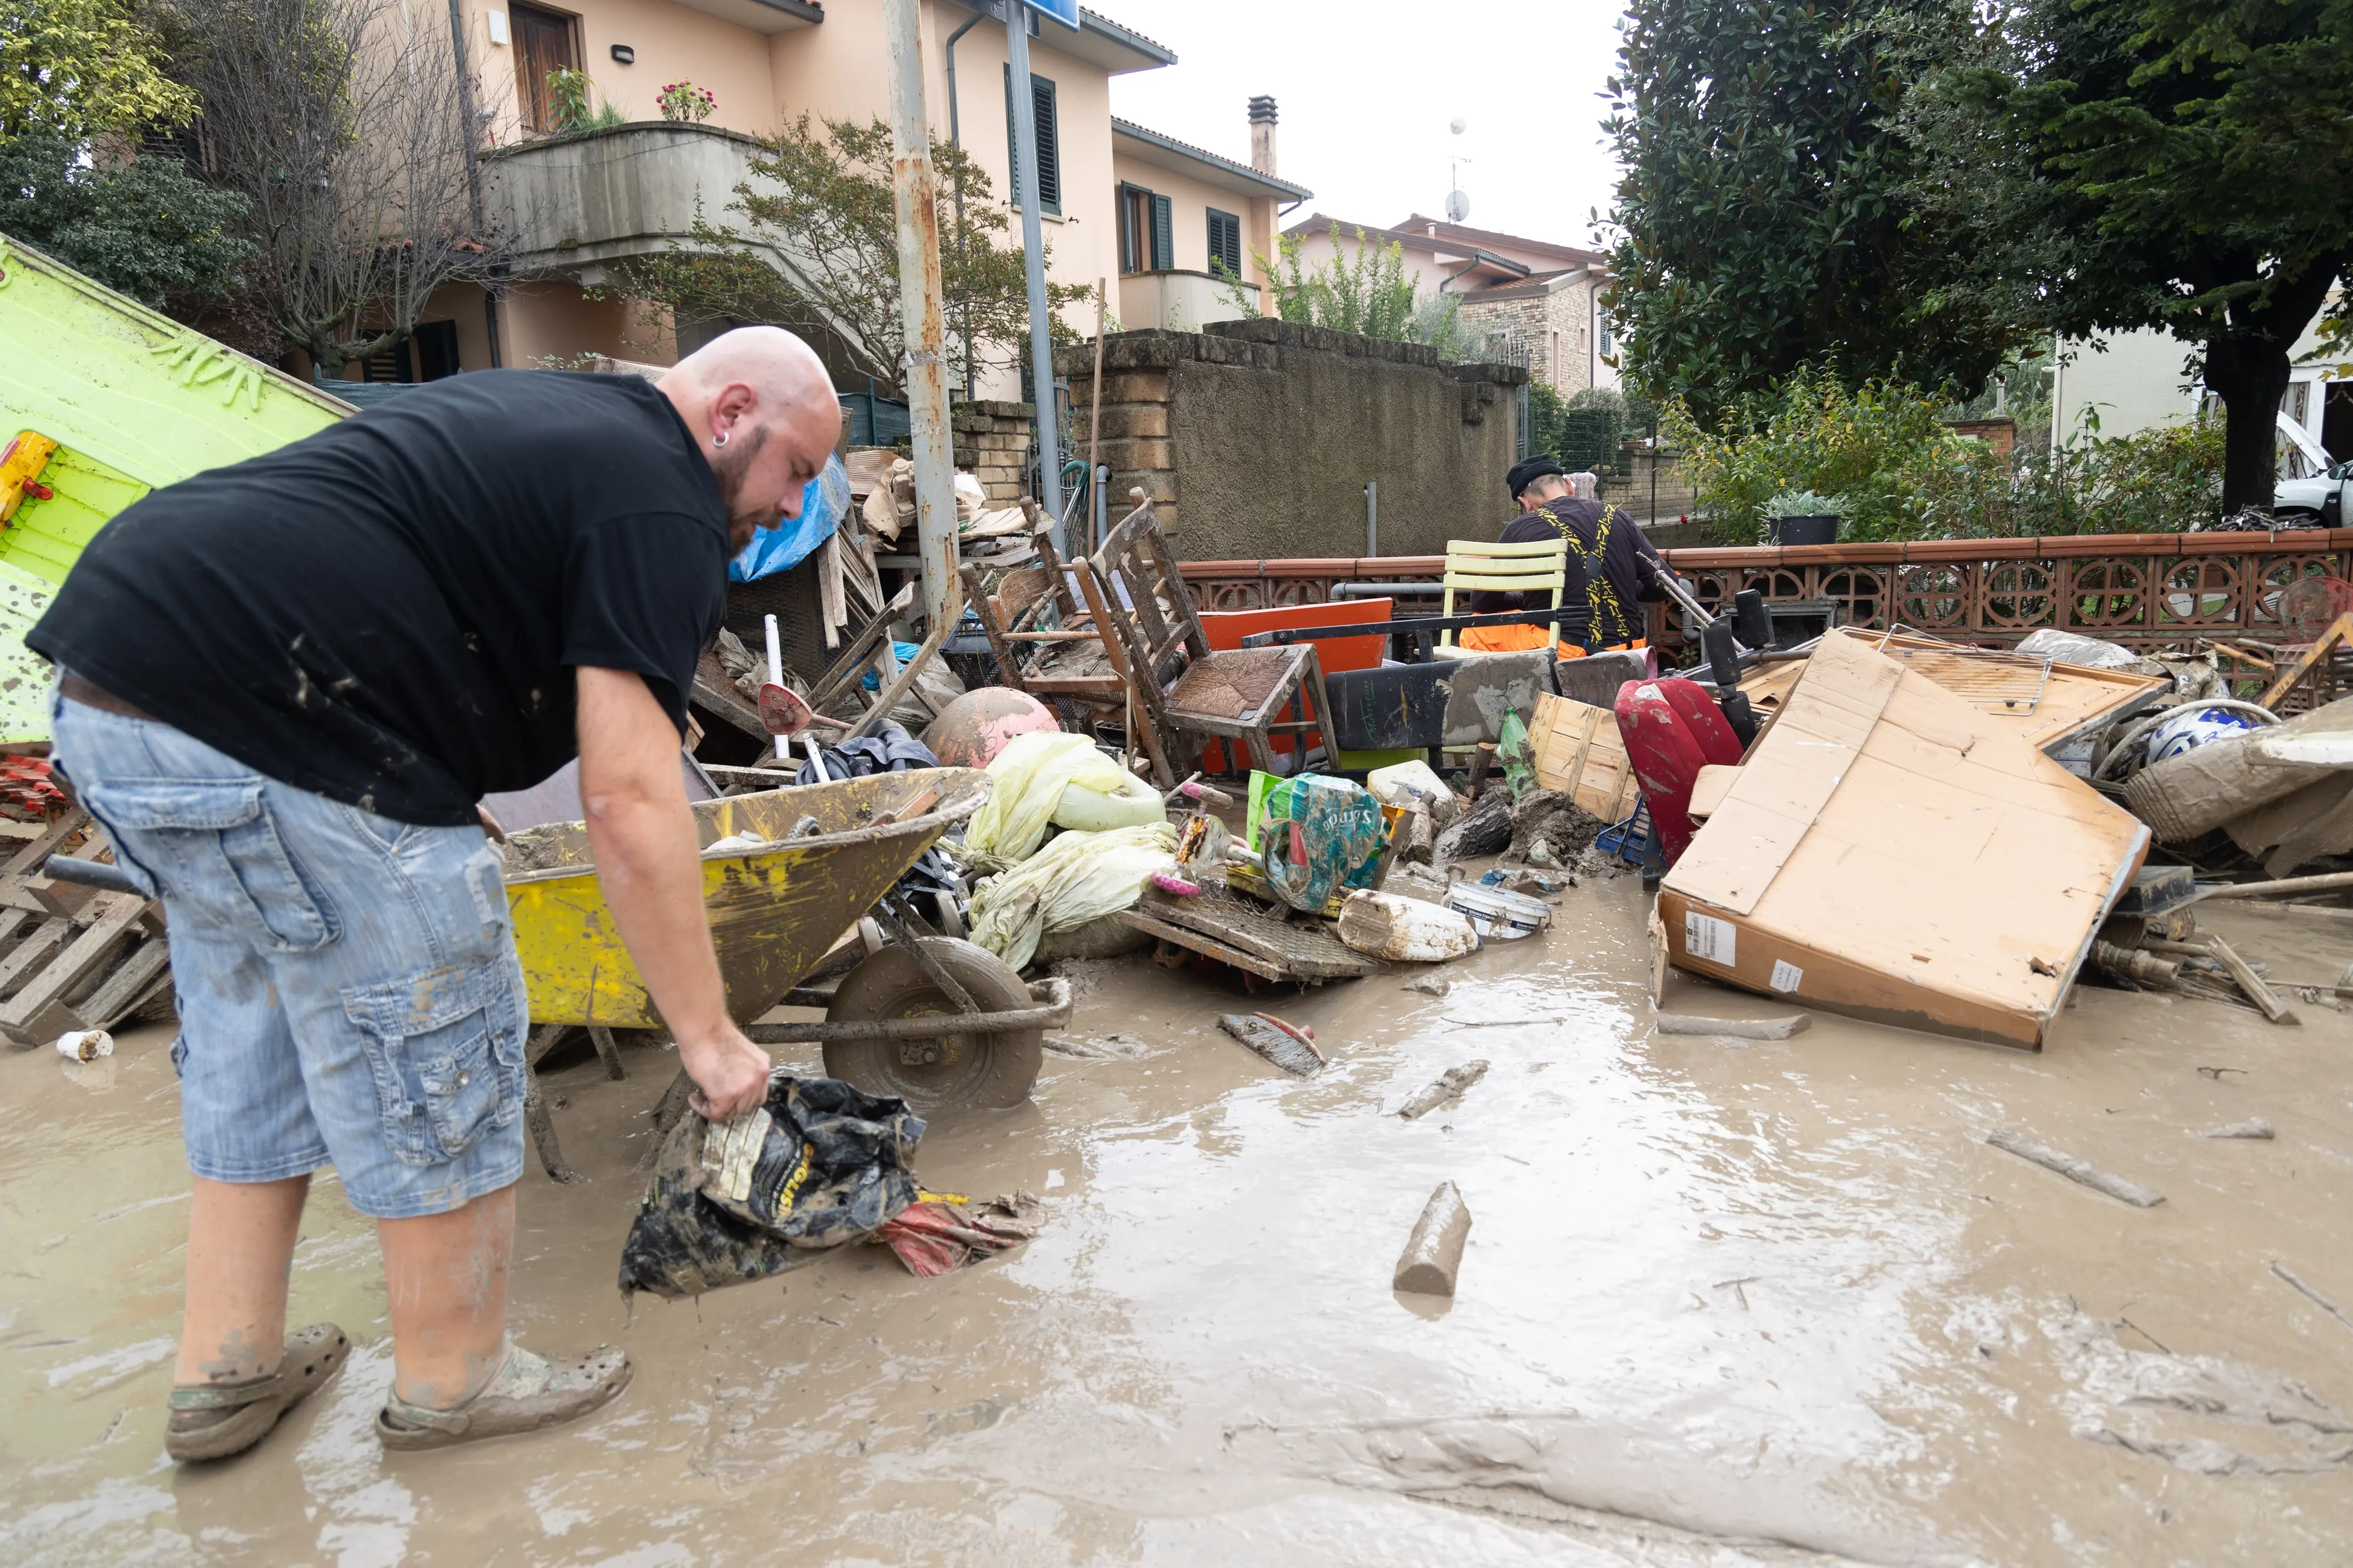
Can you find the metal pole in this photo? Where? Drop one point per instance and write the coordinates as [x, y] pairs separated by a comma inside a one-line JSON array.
[[1094, 401], [955, 140], [1033, 261], [1372, 517], [916, 189], [473, 166]]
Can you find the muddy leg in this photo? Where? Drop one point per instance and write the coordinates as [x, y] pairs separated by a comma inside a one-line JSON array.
[[607, 1051], [242, 1238], [445, 1282]]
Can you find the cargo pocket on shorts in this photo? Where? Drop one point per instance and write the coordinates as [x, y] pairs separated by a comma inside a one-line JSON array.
[[446, 1050], [214, 843]]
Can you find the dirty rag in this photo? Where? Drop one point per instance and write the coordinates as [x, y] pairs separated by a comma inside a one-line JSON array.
[[1026, 783], [1079, 878], [829, 1166], [939, 1237]]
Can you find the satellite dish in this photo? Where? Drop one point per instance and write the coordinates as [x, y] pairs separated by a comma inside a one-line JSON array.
[[1458, 206], [1458, 125]]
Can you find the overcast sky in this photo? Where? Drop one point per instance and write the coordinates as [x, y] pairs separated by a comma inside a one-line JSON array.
[[1366, 91]]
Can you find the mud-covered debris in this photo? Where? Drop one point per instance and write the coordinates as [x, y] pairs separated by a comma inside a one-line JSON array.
[[1100, 1048], [1433, 1254], [1430, 985], [1448, 1089], [1397, 929], [1290, 1046], [1737, 1028], [1550, 829], [1484, 830], [2254, 1127], [939, 1236], [2122, 1189]]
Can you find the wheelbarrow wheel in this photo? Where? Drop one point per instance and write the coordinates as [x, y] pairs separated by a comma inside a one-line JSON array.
[[953, 1072]]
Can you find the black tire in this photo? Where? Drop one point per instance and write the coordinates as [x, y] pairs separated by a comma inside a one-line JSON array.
[[973, 1070]]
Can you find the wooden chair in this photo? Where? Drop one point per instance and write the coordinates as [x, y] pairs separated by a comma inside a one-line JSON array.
[[1236, 694], [1473, 564], [1047, 645]]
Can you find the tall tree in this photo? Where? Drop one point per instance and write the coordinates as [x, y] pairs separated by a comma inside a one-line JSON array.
[[1763, 216], [811, 242], [79, 67], [341, 123], [2185, 164]]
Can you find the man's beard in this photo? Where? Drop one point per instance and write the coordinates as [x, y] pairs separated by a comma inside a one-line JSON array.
[[729, 466]]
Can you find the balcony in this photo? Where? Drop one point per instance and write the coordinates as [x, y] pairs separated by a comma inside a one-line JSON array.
[[573, 204], [1178, 301]]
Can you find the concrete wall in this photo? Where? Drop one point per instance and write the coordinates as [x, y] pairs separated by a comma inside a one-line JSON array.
[[1257, 438]]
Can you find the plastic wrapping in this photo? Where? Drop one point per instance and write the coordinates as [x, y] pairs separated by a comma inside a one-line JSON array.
[[1026, 783], [1079, 878]]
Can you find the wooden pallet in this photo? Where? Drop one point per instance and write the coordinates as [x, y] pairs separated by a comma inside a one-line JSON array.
[[73, 957]]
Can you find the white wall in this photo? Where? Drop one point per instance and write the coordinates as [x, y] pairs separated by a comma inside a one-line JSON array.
[[2138, 383]]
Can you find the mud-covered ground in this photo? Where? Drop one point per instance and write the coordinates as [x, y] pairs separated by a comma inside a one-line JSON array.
[[1724, 1303]]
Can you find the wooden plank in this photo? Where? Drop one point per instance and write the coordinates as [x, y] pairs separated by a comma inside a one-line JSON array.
[[33, 951], [122, 992], [2306, 661]]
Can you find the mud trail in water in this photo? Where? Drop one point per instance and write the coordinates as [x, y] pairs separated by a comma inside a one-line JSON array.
[[1723, 1302]]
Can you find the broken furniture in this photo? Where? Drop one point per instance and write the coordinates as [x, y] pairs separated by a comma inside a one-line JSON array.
[[2308, 676], [1036, 611], [1540, 566], [1135, 589], [1227, 926], [1429, 708], [80, 946], [1673, 730], [2054, 707], [785, 872], [1892, 850]]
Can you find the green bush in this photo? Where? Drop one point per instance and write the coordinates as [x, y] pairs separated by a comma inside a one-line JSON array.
[[1899, 472]]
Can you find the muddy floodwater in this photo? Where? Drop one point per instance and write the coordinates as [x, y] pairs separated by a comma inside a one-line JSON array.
[[1723, 1302]]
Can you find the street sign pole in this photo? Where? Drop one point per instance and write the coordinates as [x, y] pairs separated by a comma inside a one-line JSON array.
[[1033, 256], [915, 190]]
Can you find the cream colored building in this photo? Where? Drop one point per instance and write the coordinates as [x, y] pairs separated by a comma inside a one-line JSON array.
[[575, 204], [1537, 302]]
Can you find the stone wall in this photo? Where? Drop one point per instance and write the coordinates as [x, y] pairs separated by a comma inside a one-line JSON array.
[[1549, 323], [1257, 437], [990, 439]]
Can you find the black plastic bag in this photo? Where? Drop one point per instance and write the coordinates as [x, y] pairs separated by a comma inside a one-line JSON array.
[[831, 1166]]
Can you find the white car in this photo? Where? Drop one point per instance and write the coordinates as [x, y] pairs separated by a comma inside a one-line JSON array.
[[2310, 485]]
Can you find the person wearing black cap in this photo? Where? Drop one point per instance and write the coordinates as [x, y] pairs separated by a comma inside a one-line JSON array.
[[1611, 563]]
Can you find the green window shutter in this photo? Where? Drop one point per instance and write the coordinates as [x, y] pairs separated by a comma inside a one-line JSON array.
[[1225, 243], [1164, 236], [1048, 123]]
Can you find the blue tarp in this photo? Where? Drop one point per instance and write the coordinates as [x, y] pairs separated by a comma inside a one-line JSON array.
[[825, 501]]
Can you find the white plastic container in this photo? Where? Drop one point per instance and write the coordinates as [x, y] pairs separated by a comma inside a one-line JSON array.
[[1496, 914]]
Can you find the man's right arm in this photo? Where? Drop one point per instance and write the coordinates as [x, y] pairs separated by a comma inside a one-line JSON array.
[[641, 833]]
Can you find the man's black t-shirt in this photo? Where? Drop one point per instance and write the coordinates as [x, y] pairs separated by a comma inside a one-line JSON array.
[[388, 612], [1620, 562]]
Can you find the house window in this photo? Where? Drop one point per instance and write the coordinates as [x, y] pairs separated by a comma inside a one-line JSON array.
[[545, 40], [436, 349], [1148, 239], [1602, 324], [1225, 243], [1050, 143]]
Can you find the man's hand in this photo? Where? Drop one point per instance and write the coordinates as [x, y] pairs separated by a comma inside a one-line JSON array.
[[648, 863], [729, 1074]]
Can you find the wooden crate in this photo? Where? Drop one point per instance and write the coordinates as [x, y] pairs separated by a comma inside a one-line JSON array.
[[1577, 750]]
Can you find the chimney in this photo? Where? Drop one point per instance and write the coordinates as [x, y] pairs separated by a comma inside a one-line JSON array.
[[1262, 124]]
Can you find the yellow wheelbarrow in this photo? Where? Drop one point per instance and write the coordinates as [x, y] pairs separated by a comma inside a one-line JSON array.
[[785, 874]]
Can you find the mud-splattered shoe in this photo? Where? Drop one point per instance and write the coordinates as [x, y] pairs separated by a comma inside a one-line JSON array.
[[214, 1420], [527, 1393]]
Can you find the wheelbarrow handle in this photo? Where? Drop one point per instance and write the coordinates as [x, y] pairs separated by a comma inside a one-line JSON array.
[[1052, 996], [100, 874]]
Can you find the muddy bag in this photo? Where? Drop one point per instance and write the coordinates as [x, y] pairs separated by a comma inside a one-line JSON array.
[[819, 1164]]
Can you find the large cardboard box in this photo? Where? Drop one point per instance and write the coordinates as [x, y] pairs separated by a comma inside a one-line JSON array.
[[1890, 850]]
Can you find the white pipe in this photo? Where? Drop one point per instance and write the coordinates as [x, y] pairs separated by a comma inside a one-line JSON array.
[[777, 677]]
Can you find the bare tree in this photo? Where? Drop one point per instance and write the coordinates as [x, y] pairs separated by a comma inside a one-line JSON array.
[[344, 123]]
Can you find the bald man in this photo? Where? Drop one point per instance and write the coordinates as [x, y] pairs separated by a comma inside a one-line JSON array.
[[283, 685]]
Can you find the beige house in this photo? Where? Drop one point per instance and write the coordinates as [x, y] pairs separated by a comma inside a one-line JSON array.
[[1194, 227], [576, 204], [1535, 302]]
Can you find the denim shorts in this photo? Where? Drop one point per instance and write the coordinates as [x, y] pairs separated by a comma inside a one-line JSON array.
[[347, 985]]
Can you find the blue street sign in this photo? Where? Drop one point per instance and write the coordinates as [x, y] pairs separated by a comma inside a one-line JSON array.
[[1066, 12]]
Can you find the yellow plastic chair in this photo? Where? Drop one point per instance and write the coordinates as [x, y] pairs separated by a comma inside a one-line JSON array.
[[1473, 565]]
